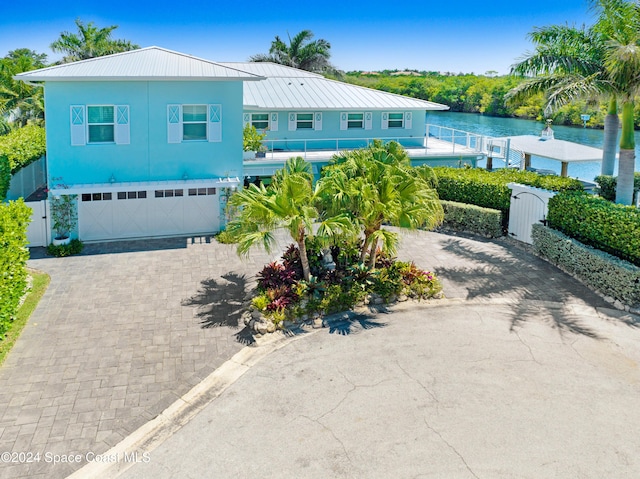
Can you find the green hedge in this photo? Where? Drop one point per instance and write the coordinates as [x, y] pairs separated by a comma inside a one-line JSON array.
[[608, 185], [599, 223], [5, 177], [22, 146], [610, 275], [489, 189], [14, 218], [472, 219]]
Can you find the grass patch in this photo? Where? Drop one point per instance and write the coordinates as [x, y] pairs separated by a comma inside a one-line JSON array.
[[38, 287]]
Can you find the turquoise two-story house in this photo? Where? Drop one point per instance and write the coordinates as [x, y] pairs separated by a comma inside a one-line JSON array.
[[150, 141]]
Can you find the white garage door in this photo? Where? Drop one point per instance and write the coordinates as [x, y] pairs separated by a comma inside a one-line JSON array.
[[148, 212]]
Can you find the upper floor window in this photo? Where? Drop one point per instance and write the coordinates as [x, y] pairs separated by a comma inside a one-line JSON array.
[[304, 121], [260, 120], [100, 120], [99, 124], [396, 120], [355, 121], [194, 122]]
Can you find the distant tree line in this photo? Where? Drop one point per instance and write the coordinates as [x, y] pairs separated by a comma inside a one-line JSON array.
[[485, 94]]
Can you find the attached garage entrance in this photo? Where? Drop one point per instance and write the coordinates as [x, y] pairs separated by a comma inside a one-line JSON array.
[[146, 210]]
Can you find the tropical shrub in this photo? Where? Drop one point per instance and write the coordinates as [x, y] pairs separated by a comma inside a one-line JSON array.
[[14, 219], [23, 146], [472, 219], [597, 222], [75, 246], [251, 139], [611, 276], [607, 186]]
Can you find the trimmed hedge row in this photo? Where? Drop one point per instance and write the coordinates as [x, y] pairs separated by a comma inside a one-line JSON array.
[[472, 219], [489, 189], [23, 145], [610, 275], [5, 177], [608, 185], [14, 218], [597, 222]]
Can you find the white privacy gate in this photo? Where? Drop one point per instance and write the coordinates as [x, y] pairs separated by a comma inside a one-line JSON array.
[[529, 205], [37, 231]]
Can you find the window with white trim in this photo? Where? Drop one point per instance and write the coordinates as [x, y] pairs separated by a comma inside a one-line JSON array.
[[101, 124], [396, 120], [304, 121], [260, 121], [194, 122], [355, 121]]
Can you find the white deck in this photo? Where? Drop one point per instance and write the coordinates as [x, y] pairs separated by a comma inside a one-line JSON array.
[[435, 148]]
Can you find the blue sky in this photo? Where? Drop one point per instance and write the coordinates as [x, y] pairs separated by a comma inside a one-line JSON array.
[[454, 35]]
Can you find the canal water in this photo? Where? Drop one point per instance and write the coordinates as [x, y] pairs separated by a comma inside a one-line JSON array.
[[497, 127]]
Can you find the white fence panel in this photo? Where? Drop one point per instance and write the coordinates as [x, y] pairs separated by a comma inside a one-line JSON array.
[[27, 180], [37, 231], [529, 205]]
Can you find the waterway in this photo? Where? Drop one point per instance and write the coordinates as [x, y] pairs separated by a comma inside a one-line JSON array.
[[498, 127]]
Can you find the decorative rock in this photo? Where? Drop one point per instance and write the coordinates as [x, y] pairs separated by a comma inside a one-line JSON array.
[[378, 300], [402, 298], [271, 327], [618, 305], [246, 318], [317, 323], [252, 325], [255, 314], [393, 298], [608, 299], [261, 327], [287, 324]]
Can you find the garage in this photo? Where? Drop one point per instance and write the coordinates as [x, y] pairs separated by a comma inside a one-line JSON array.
[[140, 210]]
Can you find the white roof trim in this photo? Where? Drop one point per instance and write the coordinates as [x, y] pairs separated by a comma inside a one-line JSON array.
[[145, 185], [144, 64]]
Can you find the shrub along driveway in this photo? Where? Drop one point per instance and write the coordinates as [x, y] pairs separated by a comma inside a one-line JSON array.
[[128, 327]]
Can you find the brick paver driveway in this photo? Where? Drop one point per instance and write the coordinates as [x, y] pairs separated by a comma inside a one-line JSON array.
[[122, 332]]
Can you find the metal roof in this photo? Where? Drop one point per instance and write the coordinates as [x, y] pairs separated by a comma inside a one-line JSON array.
[[145, 64], [560, 150], [287, 88]]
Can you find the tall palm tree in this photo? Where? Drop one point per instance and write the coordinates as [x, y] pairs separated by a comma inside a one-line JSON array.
[[605, 60], [21, 101], [376, 186], [289, 203], [619, 21], [567, 64], [89, 42], [302, 52]]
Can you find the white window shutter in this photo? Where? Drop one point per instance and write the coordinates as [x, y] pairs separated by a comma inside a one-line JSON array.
[[246, 118], [385, 121], [368, 120], [174, 123], [344, 123], [407, 121], [121, 131], [292, 122], [215, 123], [78, 125], [273, 121], [317, 124]]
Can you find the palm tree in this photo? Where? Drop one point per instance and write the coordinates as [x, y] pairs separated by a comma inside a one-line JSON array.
[[289, 203], [604, 60], [568, 64], [21, 101], [302, 52], [619, 21], [376, 186], [89, 42]]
